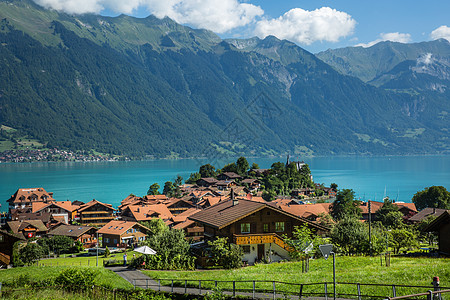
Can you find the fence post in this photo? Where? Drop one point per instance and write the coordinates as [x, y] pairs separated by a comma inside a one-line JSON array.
[[394, 291], [234, 289], [215, 283], [199, 287], [185, 286], [253, 290], [430, 295], [0, 290], [301, 292], [359, 291], [146, 283], [274, 291], [159, 285], [326, 291], [171, 287], [134, 283]]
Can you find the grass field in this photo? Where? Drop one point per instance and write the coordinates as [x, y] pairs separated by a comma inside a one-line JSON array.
[[364, 270]]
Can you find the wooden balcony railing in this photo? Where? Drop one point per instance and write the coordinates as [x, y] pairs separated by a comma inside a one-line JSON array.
[[261, 238]]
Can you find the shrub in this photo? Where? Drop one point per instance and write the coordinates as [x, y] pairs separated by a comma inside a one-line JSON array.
[[30, 253], [226, 255], [80, 278]]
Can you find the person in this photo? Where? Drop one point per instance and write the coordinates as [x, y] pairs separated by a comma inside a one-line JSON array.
[[125, 259]]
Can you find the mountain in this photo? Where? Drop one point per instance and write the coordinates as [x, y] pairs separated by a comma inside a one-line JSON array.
[[150, 86], [368, 63]]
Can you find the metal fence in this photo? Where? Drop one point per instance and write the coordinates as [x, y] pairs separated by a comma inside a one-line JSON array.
[[278, 289]]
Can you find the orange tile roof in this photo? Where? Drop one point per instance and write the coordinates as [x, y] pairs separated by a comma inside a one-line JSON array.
[[119, 227], [155, 197], [184, 215], [92, 203], [306, 210], [183, 225], [66, 205], [26, 195], [147, 212]]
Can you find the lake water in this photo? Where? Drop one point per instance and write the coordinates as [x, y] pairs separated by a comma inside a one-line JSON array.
[[370, 177]]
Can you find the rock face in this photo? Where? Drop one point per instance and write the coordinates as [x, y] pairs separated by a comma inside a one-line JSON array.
[[154, 87]]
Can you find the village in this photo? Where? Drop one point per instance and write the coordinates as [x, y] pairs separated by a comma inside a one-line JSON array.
[[227, 205]]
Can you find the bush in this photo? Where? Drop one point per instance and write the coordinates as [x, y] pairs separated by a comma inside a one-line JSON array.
[[229, 256], [80, 278], [30, 253]]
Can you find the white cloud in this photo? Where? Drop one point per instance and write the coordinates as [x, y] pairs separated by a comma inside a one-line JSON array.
[[442, 32], [306, 27], [217, 15], [425, 59], [391, 36]]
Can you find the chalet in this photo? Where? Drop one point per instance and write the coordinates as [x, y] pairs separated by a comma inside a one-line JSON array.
[[441, 225], [302, 192], [253, 184], [209, 201], [7, 241], [155, 199], [193, 231], [122, 234], [310, 212], [225, 185], [229, 176], [257, 227], [23, 198], [425, 213], [95, 213], [178, 205], [329, 192], [64, 211], [28, 229], [139, 213], [84, 234], [206, 182], [407, 209]]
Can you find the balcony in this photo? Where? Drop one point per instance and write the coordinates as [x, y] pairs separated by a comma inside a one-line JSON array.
[[261, 238]]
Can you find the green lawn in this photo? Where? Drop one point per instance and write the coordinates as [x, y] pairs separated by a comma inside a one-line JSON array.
[[403, 271], [81, 260]]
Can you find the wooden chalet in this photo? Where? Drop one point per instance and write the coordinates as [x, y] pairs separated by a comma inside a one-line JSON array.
[[252, 183], [441, 225], [310, 212], [23, 198], [7, 241], [193, 231], [139, 213], [123, 234], [206, 182], [85, 234], [95, 213], [228, 176], [256, 226], [63, 211], [225, 185], [28, 229], [425, 213], [302, 192], [178, 205]]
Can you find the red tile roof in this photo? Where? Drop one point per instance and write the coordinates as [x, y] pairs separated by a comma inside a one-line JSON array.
[[116, 227], [26, 195]]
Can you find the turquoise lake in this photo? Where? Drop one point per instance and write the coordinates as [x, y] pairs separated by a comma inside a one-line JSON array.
[[370, 177]]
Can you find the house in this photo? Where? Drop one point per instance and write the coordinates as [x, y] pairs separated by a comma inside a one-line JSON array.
[[425, 213], [441, 225], [178, 205], [122, 233], [310, 212], [206, 182], [302, 192], [407, 209], [256, 226], [7, 241], [23, 198], [28, 229], [329, 192], [193, 231], [225, 185], [63, 211], [95, 213], [85, 234], [139, 213], [156, 198], [228, 176], [253, 184]]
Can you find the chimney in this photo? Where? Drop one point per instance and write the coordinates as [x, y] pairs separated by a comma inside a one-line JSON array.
[[235, 201]]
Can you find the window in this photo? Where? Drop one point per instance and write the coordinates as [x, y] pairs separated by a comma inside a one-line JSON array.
[[266, 227], [245, 227], [246, 249], [279, 226], [106, 240], [2, 238]]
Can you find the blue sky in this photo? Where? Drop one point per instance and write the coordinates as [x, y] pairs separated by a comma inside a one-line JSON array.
[[314, 25]]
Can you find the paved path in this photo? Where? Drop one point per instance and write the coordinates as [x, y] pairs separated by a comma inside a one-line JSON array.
[[139, 279]]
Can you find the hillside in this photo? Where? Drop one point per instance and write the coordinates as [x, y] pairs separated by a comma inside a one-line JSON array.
[[148, 86]]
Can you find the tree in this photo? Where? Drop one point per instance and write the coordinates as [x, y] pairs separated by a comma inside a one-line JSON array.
[[80, 278], [350, 236], [153, 189], [303, 242], [242, 165], [168, 189], [345, 205], [334, 186], [193, 178], [254, 166], [30, 253], [61, 244], [402, 238], [107, 252], [434, 196], [389, 215], [229, 256], [178, 181], [207, 171], [230, 168], [156, 226]]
